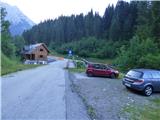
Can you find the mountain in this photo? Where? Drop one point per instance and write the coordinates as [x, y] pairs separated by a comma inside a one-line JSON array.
[[19, 22]]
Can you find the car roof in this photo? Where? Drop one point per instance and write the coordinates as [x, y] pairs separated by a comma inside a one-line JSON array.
[[146, 70]]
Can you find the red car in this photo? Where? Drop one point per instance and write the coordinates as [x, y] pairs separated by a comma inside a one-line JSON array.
[[101, 70]]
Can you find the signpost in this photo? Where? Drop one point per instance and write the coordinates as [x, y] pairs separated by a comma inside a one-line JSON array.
[[70, 53]]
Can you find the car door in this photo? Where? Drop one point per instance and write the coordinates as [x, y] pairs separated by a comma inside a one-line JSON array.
[[96, 69], [102, 70], [108, 71], [156, 80], [158, 84]]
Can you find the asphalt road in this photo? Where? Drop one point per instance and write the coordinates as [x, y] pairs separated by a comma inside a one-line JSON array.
[[39, 94]]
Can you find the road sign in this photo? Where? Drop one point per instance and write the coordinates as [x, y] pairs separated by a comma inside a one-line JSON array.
[[70, 52]]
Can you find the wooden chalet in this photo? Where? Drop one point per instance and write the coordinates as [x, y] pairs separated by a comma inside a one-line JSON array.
[[37, 52]]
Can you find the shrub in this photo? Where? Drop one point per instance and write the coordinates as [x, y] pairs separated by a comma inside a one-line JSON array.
[[139, 54], [80, 64], [150, 61], [91, 47]]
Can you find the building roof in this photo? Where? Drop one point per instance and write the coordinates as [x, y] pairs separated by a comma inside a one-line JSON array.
[[28, 49]]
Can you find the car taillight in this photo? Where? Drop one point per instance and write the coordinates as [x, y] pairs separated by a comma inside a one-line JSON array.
[[139, 81]]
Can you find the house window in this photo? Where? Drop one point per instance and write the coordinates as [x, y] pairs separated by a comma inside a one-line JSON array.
[[41, 56], [41, 49]]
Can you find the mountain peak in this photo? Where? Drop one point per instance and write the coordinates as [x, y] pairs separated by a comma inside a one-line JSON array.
[[19, 21]]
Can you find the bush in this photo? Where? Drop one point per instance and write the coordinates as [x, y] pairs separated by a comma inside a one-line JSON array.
[[91, 47], [150, 61], [8, 47], [80, 64], [9, 65], [139, 54]]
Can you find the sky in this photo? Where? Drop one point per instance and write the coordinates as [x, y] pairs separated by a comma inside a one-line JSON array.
[[40, 10]]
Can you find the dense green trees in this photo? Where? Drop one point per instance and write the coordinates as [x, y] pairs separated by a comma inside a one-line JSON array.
[[139, 54], [91, 47], [107, 20], [143, 51], [118, 23], [65, 29], [155, 12], [128, 32], [6, 40], [10, 46]]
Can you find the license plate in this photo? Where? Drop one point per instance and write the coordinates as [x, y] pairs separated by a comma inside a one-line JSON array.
[[128, 85]]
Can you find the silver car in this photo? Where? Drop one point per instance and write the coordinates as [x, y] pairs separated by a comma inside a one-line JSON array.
[[145, 80]]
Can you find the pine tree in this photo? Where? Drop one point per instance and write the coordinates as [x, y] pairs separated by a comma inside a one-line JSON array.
[[156, 21], [8, 47], [107, 19]]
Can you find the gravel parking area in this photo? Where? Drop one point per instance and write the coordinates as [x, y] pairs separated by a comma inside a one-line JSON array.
[[107, 96]]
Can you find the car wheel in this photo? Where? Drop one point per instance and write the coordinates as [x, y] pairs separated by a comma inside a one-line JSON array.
[[113, 75], [148, 90]]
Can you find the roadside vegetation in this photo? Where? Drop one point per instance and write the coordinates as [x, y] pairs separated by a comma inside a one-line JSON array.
[[11, 49], [100, 60], [79, 66], [145, 112], [54, 53], [77, 70], [9, 66]]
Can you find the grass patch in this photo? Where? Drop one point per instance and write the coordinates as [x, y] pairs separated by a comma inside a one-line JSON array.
[[157, 101], [79, 66], [91, 112], [121, 75], [9, 66], [146, 112], [98, 60], [54, 53], [15, 68], [79, 70]]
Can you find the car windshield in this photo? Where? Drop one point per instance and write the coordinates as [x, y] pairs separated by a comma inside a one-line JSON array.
[[134, 74]]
